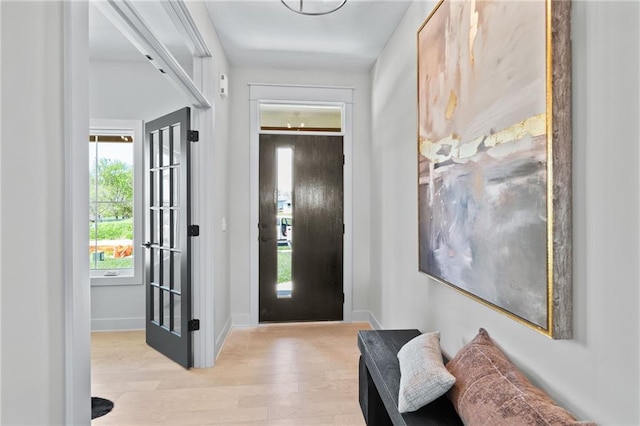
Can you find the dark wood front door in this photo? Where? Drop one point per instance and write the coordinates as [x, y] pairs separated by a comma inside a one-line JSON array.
[[301, 228]]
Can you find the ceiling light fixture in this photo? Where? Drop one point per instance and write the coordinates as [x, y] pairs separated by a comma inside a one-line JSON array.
[[313, 8]]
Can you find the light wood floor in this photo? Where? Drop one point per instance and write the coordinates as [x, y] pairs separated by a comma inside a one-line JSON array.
[[293, 374]]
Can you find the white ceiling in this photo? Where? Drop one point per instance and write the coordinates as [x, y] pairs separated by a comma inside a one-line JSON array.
[[264, 33], [107, 43]]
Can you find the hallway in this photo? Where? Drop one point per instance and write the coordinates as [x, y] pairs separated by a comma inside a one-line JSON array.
[[284, 374]]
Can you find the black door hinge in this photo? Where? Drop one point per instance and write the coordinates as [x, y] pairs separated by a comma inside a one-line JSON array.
[[194, 325], [193, 230], [193, 136]]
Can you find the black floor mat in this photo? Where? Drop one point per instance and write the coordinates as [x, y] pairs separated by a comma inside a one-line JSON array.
[[100, 407]]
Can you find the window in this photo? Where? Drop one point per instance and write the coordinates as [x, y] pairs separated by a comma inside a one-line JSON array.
[[284, 221], [300, 118], [115, 195]]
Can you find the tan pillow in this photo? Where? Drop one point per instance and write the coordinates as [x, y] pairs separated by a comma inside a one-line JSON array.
[[490, 390], [423, 376]]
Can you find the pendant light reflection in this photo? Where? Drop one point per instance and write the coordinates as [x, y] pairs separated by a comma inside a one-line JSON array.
[[313, 7]]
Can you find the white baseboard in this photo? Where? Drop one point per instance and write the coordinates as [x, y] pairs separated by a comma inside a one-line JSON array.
[[360, 316], [117, 324], [244, 320], [221, 340], [374, 322], [366, 316], [241, 320]]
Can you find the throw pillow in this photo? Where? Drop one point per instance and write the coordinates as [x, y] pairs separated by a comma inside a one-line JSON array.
[[490, 390], [423, 376]]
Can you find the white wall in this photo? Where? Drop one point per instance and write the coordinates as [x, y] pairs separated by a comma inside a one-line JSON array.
[[126, 91], [239, 176], [0, 214], [595, 375], [219, 189], [33, 362], [131, 91]]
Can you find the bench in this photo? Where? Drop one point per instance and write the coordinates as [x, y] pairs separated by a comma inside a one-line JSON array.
[[379, 383]]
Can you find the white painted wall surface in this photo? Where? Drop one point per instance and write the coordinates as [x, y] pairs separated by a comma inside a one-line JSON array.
[[596, 375], [218, 190], [131, 91], [76, 208], [31, 232], [0, 214], [126, 91], [239, 223]]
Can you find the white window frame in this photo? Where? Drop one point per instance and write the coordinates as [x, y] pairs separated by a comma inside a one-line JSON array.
[[117, 127]]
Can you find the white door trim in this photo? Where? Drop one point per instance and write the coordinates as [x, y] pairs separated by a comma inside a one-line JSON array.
[[202, 213], [308, 95], [77, 288]]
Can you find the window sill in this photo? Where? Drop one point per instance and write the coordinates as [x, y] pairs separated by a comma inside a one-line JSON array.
[[115, 281]]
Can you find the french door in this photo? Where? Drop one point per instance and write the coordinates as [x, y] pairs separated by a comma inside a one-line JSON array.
[[301, 228], [167, 214]]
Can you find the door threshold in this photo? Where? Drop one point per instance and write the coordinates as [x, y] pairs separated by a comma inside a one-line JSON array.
[[298, 322]]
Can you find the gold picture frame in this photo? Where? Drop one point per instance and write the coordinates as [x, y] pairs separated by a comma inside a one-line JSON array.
[[494, 156]]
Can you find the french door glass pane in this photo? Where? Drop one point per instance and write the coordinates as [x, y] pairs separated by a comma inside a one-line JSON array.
[[155, 267], [166, 311], [175, 159], [154, 154], [166, 147], [176, 310], [156, 176], [166, 228], [177, 283], [155, 226], [176, 186], [175, 228], [166, 187], [155, 315], [166, 268]]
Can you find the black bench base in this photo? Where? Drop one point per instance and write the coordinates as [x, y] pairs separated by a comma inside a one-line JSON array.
[[379, 383]]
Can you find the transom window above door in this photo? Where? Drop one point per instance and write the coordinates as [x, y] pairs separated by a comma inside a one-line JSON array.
[[301, 118]]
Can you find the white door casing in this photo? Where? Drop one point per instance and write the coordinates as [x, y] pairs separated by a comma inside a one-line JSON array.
[[304, 95]]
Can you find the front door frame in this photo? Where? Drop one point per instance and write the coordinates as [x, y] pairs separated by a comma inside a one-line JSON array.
[[305, 95]]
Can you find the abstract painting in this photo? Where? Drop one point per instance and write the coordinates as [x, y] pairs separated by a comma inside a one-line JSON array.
[[494, 156]]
